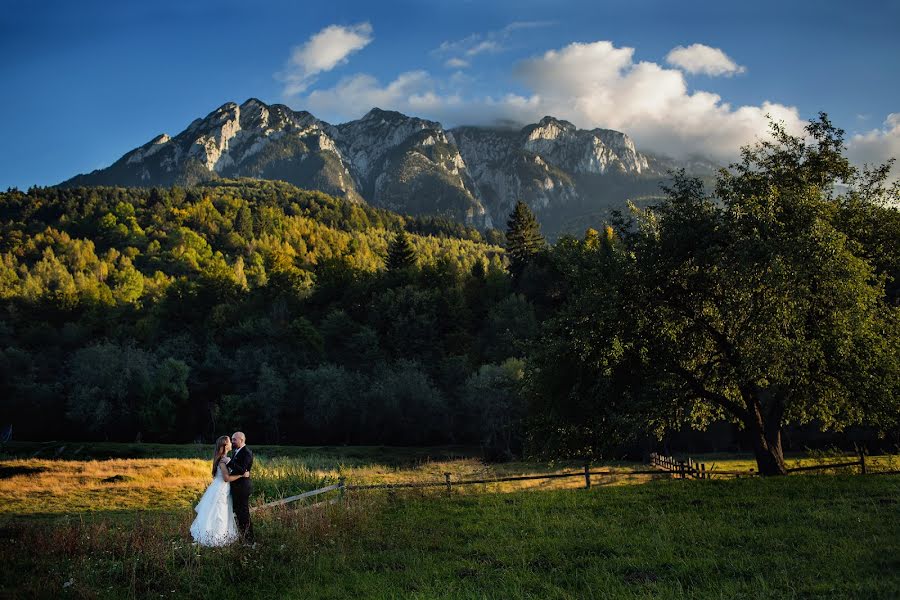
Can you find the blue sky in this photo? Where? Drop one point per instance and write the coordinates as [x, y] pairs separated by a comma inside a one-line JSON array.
[[84, 82]]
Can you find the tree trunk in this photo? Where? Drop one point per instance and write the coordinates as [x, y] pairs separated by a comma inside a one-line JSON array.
[[767, 447], [763, 420]]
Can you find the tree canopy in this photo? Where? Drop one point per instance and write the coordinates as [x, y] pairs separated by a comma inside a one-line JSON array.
[[750, 304]]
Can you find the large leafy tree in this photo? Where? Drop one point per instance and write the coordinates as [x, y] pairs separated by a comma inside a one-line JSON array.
[[583, 372], [753, 305], [763, 303]]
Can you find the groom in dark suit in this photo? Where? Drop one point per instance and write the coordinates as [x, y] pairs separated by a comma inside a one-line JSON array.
[[241, 460]]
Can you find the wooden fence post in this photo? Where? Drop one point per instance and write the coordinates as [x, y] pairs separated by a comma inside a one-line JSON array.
[[703, 474], [587, 475], [341, 492], [447, 479], [862, 462]]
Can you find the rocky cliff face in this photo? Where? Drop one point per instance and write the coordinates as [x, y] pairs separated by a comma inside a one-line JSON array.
[[410, 165], [543, 163], [406, 164]]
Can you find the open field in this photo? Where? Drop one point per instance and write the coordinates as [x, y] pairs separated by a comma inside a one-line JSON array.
[[794, 537], [39, 480], [105, 527]]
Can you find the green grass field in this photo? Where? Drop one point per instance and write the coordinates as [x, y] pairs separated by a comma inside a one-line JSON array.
[[66, 533]]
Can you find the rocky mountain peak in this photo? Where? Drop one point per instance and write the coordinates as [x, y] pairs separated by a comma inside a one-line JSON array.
[[254, 114], [148, 149], [378, 114], [367, 141], [551, 123], [249, 102]]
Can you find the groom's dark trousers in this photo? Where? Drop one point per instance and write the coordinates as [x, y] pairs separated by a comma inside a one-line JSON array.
[[240, 491]]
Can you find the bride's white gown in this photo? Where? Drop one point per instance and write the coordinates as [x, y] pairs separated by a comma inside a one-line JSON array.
[[215, 524]]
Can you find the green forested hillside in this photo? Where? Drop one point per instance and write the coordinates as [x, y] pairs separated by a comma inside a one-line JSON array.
[[175, 314], [172, 313]]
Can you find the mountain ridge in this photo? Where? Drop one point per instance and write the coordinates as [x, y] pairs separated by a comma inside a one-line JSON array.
[[403, 163]]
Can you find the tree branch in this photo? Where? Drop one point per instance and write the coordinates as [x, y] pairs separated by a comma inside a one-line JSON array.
[[697, 386]]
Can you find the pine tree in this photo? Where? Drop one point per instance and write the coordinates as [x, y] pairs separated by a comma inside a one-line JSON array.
[[523, 237], [244, 223], [401, 254]]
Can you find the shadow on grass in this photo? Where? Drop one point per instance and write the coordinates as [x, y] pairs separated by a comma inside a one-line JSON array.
[[7, 472]]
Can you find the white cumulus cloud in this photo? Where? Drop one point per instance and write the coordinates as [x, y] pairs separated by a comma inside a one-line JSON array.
[[590, 84], [877, 146], [323, 52], [699, 58], [600, 85]]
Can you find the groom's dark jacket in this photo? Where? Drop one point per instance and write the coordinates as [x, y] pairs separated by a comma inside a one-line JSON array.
[[240, 462]]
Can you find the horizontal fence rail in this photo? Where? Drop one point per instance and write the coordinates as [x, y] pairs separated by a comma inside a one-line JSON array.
[[691, 468], [331, 488], [448, 482], [663, 465], [826, 466]]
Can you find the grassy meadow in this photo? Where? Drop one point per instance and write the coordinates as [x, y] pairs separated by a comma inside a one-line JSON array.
[[96, 524]]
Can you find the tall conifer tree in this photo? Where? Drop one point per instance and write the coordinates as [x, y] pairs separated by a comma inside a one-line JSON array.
[[523, 237], [401, 254]]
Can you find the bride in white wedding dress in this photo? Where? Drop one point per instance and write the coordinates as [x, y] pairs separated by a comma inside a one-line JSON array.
[[215, 524]]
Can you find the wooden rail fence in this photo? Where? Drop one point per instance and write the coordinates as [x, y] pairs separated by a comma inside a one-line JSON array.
[[662, 465], [587, 473], [682, 469], [448, 483], [339, 486]]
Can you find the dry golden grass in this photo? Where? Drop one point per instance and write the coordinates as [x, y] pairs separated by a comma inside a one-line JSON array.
[[59, 487], [69, 486], [43, 487]]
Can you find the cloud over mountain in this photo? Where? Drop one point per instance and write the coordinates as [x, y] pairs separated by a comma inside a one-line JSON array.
[[594, 84]]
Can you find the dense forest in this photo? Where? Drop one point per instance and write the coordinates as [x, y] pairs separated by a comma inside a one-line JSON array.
[[176, 314], [169, 314]]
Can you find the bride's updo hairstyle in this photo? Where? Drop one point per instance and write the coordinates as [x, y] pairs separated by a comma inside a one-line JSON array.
[[219, 453]]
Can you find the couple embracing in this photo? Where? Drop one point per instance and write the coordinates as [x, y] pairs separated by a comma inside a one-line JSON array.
[[227, 496]]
